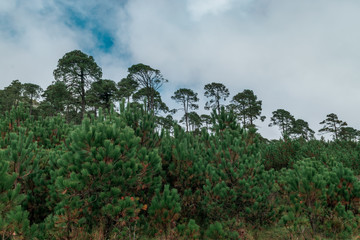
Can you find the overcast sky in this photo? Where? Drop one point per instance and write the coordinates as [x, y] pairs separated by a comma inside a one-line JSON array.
[[301, 56]]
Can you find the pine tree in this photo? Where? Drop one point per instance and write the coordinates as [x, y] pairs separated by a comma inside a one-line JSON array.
[[216, 92], [142, 122], [332, 124], [284, 120], [31, 93], [14, 223], [103, 164], [149, 80], [57, 100], [247, 108], [102, 93], [12, 95], [349, 134], [126, 88], [164, 210], [326, 195], [206, 121], [188, 99], [184, 162], [301, 128], [77, 70]]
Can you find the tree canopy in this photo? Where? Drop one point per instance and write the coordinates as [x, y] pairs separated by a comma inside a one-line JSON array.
[[284, 120], [188, 99], [77, 70], [216, 92], [102, 93], [332, 124], [150, 80], [247, 107]]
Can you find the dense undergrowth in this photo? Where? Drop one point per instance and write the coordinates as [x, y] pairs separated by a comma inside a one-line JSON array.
[[118, 176]]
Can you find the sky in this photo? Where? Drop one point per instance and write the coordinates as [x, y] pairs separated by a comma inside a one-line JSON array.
[[301, 56]]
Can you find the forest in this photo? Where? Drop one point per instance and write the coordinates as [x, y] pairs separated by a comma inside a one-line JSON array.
[[89, 158]]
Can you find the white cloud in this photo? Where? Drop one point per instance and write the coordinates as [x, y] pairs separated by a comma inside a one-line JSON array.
[[31, 49], [7, 5], [199, 8], [298, 55], [38, 35], [301, 56]]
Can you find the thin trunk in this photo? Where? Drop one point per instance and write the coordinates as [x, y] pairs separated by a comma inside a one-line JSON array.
[[152, 104], [244, 120], [31, 104], [82, 84], [186, 118]]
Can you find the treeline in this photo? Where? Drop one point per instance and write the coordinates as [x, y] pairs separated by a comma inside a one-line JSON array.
[[79, 90], [116, 176]]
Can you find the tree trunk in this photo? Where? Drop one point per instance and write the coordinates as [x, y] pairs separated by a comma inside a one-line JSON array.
[[31, 105], [186, 117], [82, 85]]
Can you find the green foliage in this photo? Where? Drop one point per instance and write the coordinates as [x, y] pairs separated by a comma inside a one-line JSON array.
[[247, 108], [194, 121], [332, 124], [188, 99], [103, 150], [301, 128], [189, 231], [218, 231], [11, 96], [281, 154], [134, 175], [238, 184], [149, 80], [77, 70], [224, 120], [327, 197], [14, 223], [349, 134], [31, 93], [156, 105], [164, 210], [284, 120], [221, 175], [142, 122], [127, 88], [216, 92], [206, 121], [185, 164], [101, 94], [51, 132], [57, 100], [124, 214], [21, 155]]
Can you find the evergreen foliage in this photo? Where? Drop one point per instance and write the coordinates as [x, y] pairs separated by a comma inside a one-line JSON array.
[[332, 124], [325, 197], [188, 99], [118, 176], [149, 80], [77, 71], [134, 174], [216, 92], [14, 222], [102, 150], [127, 88], [247, 108], [284, 120]]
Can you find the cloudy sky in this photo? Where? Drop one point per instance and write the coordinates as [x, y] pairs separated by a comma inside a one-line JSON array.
[[301, 56]]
